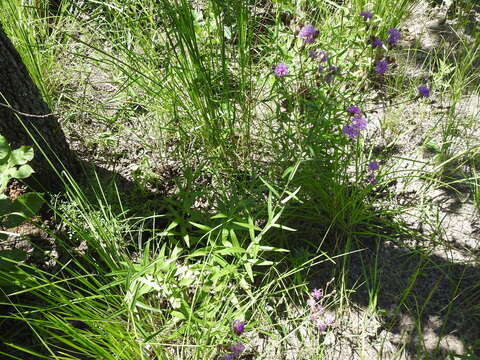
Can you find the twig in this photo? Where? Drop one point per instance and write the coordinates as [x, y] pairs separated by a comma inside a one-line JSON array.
[[25, 114]]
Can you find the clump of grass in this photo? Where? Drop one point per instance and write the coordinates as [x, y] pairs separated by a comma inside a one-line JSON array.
[[122, 295]]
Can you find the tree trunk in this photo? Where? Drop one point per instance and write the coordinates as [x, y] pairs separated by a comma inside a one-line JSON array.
[[21, 99]]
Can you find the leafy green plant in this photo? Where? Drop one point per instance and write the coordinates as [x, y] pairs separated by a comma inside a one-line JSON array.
[[13, 165], [167, 297]]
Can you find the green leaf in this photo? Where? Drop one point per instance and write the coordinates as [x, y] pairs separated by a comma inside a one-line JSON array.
[[9, 258], [228, 270], [4, 178], [21, 156], [24, 207], [200, 226], [220, 260], [178, 315], [5, 205], [148, 307], [272, 248], [283, 227], [171, 226], [230, 251], [225, 241], [4, 148], [30, 203], [186, 281], [247, 226], [200, 252], [263, 263], [270, 187], [248, 268], [23, 172], [291, 195], [234, 238]]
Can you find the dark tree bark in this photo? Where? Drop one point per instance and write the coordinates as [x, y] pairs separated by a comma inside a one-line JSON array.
[[20, 98]]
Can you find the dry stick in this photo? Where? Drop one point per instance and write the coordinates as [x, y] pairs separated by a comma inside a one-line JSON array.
[[25, 114]]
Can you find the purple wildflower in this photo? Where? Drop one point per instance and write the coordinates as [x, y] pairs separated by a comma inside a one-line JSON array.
[[311, 302], [238, 327], [359, 122], [393, 36], [323, 56], [373, 165], [333, 68], [355, 127], [317, 311], [237, 349], [354, 110], [321, 68], [322, 327], [366, 15], [332, 71], [317, 294], [351, 131], [381, 67], [329, 318], [424, 91], [228, 357], [281, 70], [308, 33], [372, 178], [377, 43]]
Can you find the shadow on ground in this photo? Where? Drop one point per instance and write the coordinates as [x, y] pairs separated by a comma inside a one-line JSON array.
[[431, 304]]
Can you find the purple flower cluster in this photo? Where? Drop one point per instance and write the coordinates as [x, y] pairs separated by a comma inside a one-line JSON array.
[[357, 123], [381, 67], [424, 91], [332, 71], [320, 55], [308, 33], [281, 70], [367, 15], [238, 327], [328, 320], [372, 167], [317, 294], [323, 56], [377, 43], [354, 110], [394, 36], [237, 349], [321, 319]]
